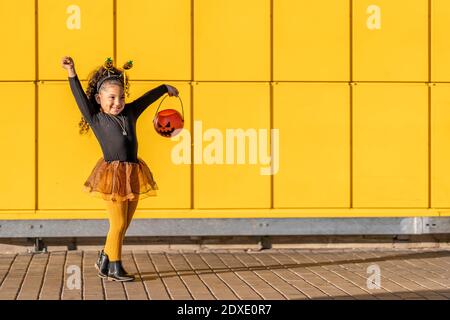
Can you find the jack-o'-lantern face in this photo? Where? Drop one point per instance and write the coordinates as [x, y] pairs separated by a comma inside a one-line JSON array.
[[168, 123]]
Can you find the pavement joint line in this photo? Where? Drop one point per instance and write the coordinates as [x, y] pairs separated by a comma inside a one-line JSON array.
[[276, 275], [140, 275], [429, 271], [262, 278], [286, 281], [283, 268], [301, 276], [23, 277], [9, 269], [235, 276], [181, 276], [220, 278], [44, 277], [239, 276], [199, 276], [334, 284], [154, 268]]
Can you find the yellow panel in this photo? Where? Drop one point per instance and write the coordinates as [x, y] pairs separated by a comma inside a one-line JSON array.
[[17, 129], [156, 35], [390, 145], [440, 46], [17, 31], [232, 40], [314, 124], [311, 40], [82, 29], [390, 40], [66, 158], [440, 148], [174, 180], [220, 180]]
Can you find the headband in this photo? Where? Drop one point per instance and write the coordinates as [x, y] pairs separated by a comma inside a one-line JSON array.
[[109, 73]]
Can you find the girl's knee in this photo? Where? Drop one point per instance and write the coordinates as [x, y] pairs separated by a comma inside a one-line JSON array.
[[118, 220], [118, 226]]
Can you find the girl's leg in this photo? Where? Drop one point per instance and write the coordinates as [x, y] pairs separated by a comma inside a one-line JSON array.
[[129, 215], [132, 205], [117, 211]]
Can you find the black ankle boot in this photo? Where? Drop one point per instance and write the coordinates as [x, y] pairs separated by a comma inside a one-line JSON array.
[[102, 264], [117, 273]]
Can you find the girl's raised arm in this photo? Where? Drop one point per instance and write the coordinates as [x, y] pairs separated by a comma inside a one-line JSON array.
[[85, 106]]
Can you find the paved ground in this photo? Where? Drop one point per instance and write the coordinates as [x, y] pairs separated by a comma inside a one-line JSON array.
[[269, 274]]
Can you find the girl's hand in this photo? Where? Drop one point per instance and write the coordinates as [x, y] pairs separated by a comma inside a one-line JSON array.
[[68, 64], [172, 91]]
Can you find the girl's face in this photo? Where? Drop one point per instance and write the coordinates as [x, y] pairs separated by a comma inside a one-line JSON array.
[[111, 98]]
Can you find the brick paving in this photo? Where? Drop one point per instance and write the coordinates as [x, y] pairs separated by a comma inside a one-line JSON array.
[[275, 274]]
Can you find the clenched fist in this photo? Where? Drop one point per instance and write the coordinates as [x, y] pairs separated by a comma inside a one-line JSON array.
[[68, 64]]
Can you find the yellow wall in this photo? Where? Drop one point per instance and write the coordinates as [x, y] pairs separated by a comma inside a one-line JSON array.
[[358, 91]]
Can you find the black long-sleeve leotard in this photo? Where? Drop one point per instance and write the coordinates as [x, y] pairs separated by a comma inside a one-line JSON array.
[[115, 145]]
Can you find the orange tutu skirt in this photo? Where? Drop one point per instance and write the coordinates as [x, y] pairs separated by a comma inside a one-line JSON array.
[[121, 181]]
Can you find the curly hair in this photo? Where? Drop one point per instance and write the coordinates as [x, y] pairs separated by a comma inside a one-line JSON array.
[[93, 78]]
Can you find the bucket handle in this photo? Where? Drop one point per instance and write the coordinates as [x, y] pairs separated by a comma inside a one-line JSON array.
[[182, 108]]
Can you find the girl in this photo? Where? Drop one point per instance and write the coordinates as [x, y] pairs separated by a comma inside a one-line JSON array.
[[120, 177]]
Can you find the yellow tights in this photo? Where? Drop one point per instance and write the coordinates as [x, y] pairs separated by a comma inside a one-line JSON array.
[[120, 215]]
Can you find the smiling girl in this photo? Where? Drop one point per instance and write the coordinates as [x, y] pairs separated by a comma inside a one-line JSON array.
[[120, 177]]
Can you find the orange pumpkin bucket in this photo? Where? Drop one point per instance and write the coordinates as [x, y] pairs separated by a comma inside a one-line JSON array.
[[168, 122]]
